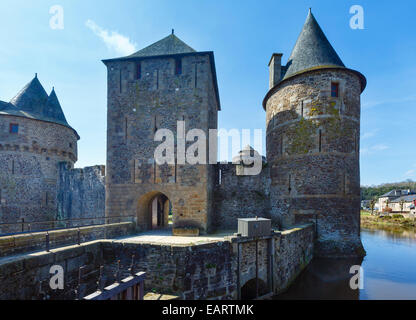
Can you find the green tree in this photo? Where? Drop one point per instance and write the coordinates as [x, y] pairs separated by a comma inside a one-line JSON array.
[[401, 203], [373, 204]]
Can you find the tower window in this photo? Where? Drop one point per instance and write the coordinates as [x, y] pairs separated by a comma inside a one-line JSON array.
[[138, 70], [178, 66], [14, 128], [334, 89], [320, 140]]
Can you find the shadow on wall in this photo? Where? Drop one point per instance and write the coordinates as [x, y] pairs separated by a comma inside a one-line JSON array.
[[253, 289]]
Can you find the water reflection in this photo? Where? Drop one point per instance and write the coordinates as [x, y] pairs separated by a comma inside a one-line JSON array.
[[389, 270], [324, 279]]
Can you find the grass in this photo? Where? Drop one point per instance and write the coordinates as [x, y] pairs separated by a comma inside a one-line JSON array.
[[368, 220]]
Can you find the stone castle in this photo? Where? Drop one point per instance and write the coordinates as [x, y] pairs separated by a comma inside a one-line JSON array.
[[311, 173], [38, 150]]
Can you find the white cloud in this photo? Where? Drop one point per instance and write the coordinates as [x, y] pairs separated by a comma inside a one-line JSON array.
[[112, 39], [370, 104], [374, 149], [379, 147], [367, 135], [410, 173]]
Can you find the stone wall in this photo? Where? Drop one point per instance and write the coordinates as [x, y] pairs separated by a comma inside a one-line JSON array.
[[293, 252], [313, 152], [29, 168], [22, 243], [238, 196], [137, 108], [218, 270], [26, 277], [193, 272], [81, 192], [37, 179]]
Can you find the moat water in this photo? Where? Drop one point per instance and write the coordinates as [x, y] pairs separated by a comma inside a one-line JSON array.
[[389, 270]]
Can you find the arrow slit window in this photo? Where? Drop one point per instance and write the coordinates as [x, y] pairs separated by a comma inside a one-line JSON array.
[[335, 89]]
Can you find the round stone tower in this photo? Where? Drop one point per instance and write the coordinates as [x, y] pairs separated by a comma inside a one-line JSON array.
[[313, 134], [34, 139]]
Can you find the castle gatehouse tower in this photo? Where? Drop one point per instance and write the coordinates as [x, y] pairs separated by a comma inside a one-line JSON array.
[[149, 90], [313, 134]]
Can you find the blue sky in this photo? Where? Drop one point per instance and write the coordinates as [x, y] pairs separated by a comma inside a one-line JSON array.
[[243, 35]]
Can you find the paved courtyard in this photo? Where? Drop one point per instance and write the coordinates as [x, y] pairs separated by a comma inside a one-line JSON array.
[[166, 237]]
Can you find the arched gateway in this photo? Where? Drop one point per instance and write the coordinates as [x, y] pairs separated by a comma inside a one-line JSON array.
[[154, 211]]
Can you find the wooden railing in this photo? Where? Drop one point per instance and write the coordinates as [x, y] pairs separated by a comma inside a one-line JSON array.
[[130, 288]]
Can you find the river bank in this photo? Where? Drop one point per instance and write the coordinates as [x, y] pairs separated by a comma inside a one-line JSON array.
[[395, 220]]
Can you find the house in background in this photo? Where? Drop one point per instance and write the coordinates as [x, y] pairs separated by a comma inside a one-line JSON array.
[[403, 204], [393, 198]]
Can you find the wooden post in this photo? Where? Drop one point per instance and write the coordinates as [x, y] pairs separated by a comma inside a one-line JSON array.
[[238, 270], [257, 268], [270, 262], [47, 241]]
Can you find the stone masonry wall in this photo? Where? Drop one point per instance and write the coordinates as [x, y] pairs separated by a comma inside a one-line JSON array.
[[29, 168], [137, 108], [28, 242], [313, 151], [193, 272], [240, 196], [199, 271], [81, 193]]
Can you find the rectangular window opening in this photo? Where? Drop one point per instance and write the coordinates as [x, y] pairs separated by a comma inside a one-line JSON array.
[[176, 171], [138, 70], [155, 125], [196, 75], [320, 140], [120, 83], [220, 177], [335, 89], [178, 66], [14, 128], [126, 128]]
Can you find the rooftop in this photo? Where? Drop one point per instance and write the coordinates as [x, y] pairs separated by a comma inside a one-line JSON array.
[[407, 198], [397, 193], [166, 46], [34, 103], [312, 50], [171, 46]]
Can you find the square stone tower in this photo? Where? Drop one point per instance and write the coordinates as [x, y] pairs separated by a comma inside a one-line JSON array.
[[149, 90]]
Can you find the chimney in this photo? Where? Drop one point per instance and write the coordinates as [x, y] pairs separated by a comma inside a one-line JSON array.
[[275, 69]]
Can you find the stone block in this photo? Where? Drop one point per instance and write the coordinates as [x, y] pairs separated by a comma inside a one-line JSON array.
[[185, 232]]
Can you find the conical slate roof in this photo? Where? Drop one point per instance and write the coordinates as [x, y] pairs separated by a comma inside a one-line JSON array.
[[312, 50], [53, 109], [167, 46], [33, 102], [32, 98]]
